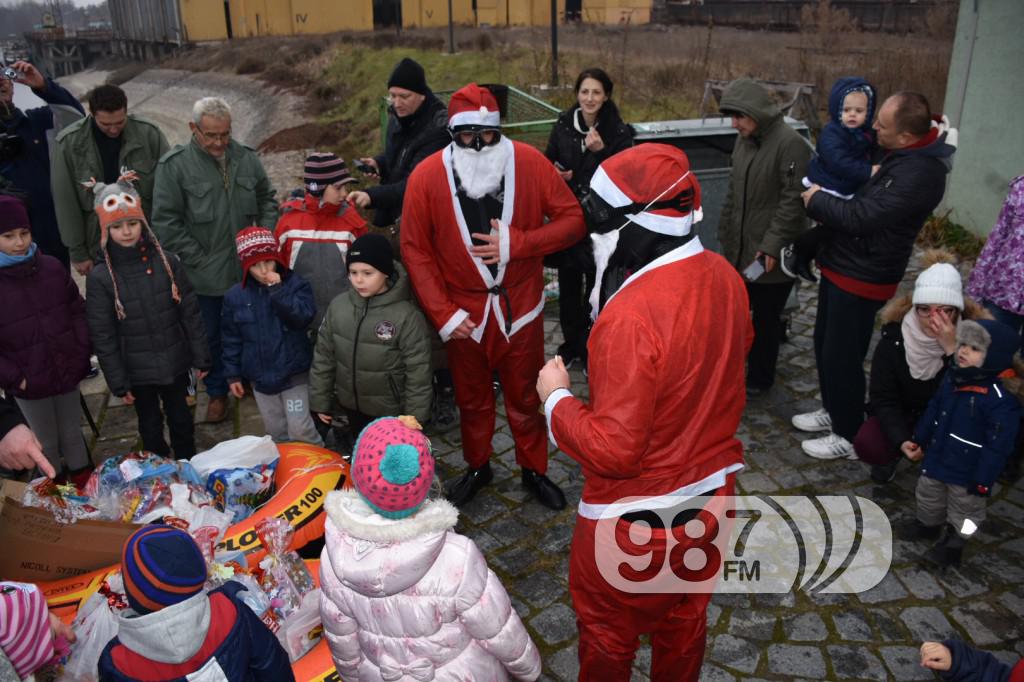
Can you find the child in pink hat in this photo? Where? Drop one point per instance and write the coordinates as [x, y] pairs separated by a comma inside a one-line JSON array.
[[391, 549]]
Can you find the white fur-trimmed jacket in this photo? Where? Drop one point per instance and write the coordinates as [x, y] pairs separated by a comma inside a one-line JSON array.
[[410, 600]]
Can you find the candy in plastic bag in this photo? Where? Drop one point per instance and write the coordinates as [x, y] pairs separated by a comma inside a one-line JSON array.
[[241, 491]]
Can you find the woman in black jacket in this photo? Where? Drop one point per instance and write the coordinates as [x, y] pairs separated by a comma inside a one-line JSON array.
[[917, 342], [585, 135]]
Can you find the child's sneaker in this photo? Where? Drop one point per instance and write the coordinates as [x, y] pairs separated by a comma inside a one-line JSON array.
[[811, 422], [829, 447]]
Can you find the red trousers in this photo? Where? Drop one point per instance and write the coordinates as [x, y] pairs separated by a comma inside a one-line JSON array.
[[610, 621], [517, 361]]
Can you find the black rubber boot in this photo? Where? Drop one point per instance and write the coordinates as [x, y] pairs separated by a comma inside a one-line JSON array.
[[946, 552], [465, 487], [913, 530]]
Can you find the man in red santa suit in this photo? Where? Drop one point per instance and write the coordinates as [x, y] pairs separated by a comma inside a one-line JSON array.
[[478, 218], [666, 379]]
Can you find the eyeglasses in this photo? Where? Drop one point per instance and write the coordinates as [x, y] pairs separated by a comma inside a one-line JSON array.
[[214, 137], [926, 310]]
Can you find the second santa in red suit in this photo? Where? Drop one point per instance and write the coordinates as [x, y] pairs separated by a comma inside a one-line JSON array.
[[666, 357], [478, 218]]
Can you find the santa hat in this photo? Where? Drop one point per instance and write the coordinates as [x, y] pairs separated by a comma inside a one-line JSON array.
[[473, 106], [645, 176], [114, 204], [255, 245]]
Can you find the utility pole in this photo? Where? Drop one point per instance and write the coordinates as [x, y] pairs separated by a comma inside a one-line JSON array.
[[554, 43], [451, 30]]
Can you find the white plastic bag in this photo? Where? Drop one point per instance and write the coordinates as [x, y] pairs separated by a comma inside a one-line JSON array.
[[302, 629], [244, 452], [94, 626]]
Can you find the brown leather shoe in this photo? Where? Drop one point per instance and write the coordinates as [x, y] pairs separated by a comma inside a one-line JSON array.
[[217, 410]]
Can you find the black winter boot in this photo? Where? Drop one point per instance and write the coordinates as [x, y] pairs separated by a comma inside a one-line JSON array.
[[946, 552], [913, 530], [465, 487]]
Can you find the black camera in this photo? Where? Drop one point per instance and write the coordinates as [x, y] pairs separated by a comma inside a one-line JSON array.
[[10, 147], [366, 169]]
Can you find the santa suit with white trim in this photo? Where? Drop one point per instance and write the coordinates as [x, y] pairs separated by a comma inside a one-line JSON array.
[[453, 285], [666, 357]]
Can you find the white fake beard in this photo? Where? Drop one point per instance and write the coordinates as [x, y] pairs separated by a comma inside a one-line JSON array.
[[481, 172], [604, 247]]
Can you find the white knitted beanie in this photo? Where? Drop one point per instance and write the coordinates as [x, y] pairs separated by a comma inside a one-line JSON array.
[[939, 285]]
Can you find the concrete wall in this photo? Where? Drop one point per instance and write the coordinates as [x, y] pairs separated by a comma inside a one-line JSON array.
[[316, 16], [616, 11], [984, 99], [424, 13]]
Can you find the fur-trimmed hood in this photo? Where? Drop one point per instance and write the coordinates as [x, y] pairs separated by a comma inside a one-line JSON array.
[[385, 556]]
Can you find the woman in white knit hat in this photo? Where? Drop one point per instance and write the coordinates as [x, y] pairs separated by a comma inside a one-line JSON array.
[[918, 339]]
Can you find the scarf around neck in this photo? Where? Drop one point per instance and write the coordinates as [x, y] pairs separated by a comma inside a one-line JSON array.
[[7, 261], [924, 354]]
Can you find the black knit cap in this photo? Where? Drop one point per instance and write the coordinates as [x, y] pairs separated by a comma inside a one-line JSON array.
[[409, 75], [372, 249]]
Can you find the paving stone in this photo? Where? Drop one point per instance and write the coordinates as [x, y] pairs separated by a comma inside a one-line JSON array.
[[714, 611], [792, 660], [926, 623], [555, 624], [752, 624], [556, 538], [852, 626], [514, 562], [736, 653], [642, 663], [855, 662], [981, 622], [754, 483], [904, 662], [889, 589], [807, 627], [540, 588], [565, 664], [509, 530], [887, 627], [1010, 512], [712, 673], [502, 442], [961, 584], [483, 508], [921, 584]]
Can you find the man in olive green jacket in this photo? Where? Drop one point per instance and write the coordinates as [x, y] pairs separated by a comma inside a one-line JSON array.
[[206, 191], [763, 212], [98, 146]]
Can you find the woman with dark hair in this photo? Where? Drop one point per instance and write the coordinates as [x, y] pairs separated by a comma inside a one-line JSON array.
[[586, 134]]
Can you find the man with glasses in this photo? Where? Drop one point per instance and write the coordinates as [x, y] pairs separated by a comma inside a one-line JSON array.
[[206, 191], [98, 146], [479, 218], [865, 250], [417, 127]]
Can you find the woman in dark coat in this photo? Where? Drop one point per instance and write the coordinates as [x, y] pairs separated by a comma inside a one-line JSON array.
[[585, 135], [918, 339]]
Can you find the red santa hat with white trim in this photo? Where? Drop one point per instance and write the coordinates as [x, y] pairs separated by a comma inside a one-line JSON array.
[[473, 107], [663, 196]]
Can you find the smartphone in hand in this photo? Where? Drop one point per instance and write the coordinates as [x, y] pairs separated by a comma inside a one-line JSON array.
[[755, 269]]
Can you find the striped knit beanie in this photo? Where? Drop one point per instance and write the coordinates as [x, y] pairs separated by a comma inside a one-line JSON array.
[[25, 627], [323, 169], [161, 566]]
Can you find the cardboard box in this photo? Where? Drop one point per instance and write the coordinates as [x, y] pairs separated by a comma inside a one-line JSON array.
[[38, 548]]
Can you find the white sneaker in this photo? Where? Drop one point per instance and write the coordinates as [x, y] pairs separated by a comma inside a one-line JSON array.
[[812, 422], [829, 447]]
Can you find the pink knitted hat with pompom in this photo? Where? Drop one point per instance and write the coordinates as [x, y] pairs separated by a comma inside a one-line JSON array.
[[393, 467]]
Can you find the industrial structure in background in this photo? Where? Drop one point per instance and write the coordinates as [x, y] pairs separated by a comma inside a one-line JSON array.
[[61, 52]]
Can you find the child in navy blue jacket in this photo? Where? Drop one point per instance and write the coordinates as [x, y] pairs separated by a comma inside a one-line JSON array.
[[965, 438], [847, 143], [957, 662], [263, 331]]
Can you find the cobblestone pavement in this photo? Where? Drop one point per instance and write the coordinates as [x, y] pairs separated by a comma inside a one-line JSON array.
[[873, 635]]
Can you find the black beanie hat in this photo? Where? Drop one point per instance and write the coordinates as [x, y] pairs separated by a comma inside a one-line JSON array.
[[409, 74], [373, 249]]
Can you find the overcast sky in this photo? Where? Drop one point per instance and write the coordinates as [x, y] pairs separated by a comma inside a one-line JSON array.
[[77, 3]]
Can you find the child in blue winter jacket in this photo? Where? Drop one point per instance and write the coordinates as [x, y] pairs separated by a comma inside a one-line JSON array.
[[263, 331], [965, 438], [847, 143]]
